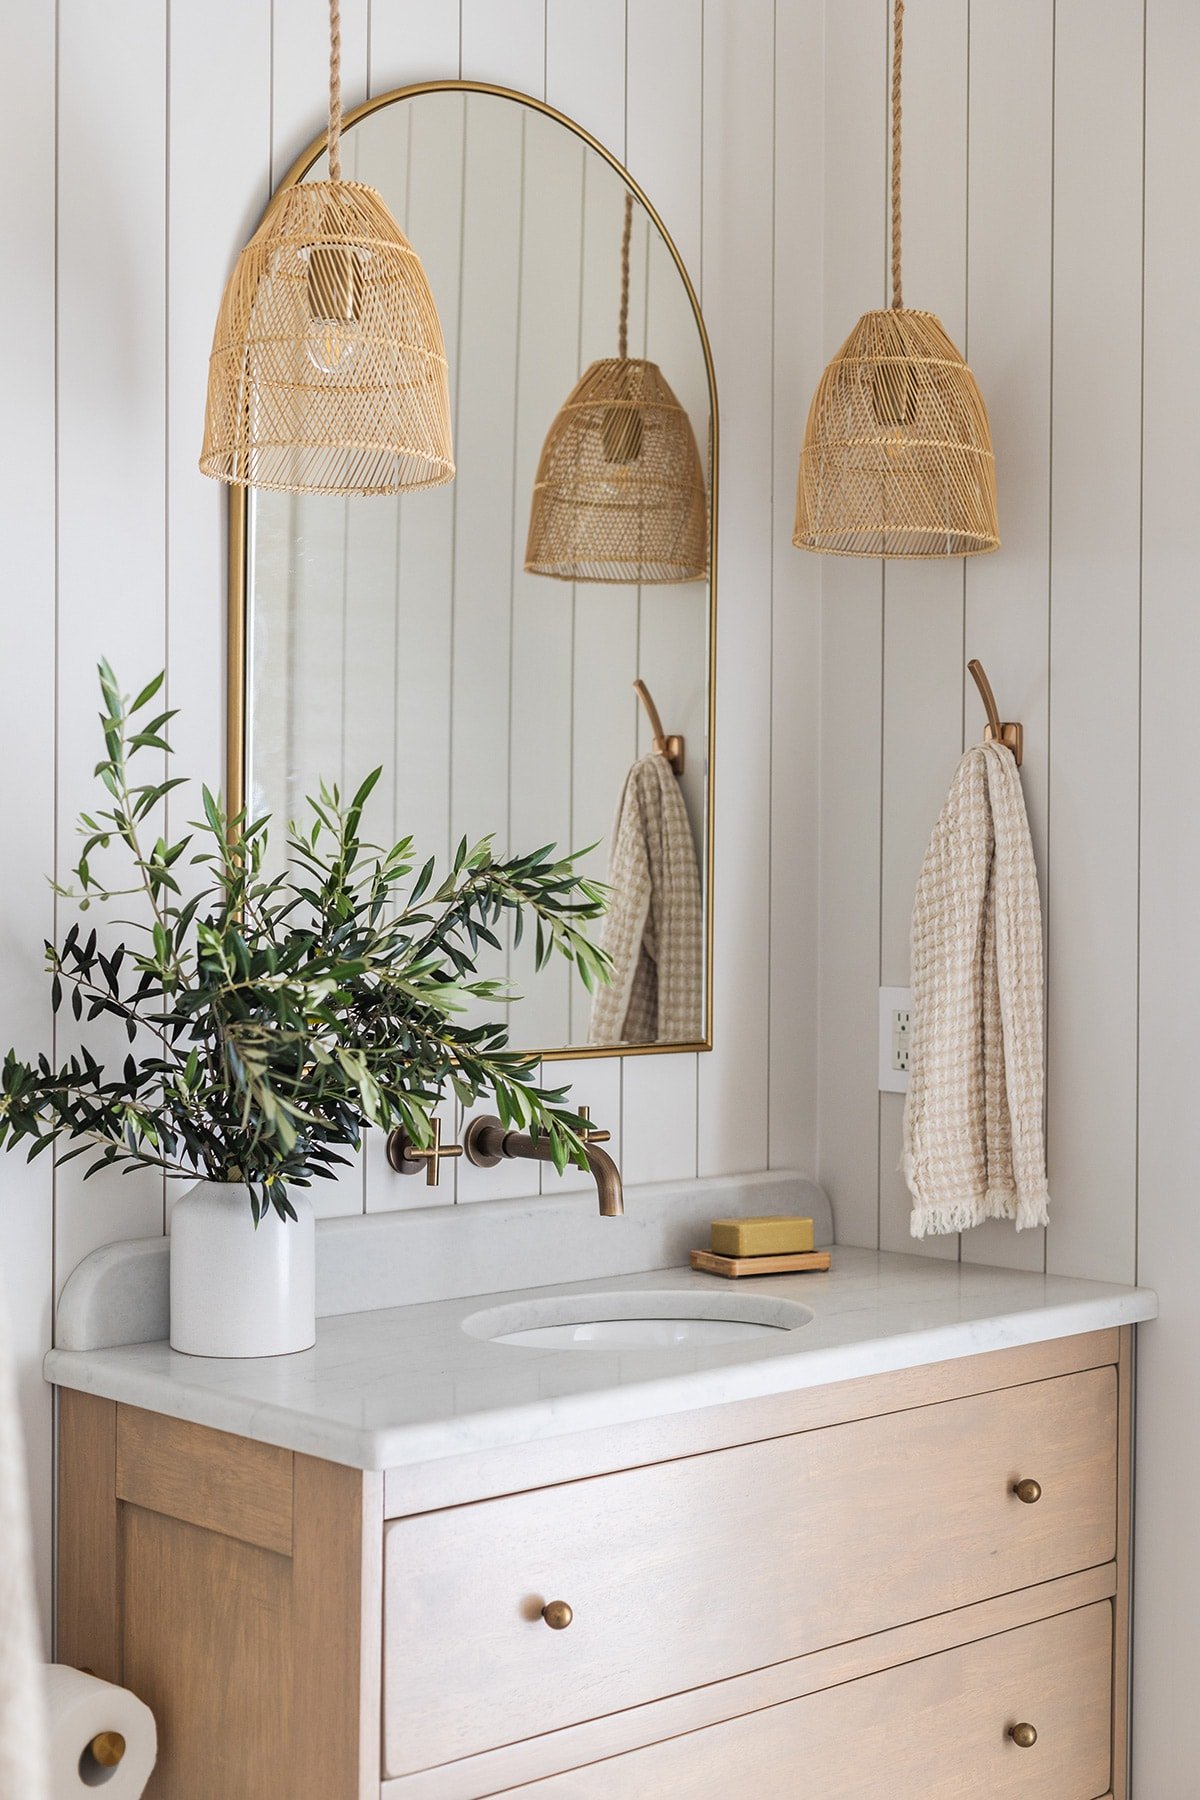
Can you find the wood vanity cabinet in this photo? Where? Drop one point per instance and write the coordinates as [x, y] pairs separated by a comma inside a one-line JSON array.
[[837, 1592]]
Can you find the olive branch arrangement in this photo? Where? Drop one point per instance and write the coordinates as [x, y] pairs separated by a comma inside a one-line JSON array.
[[272, 1018]]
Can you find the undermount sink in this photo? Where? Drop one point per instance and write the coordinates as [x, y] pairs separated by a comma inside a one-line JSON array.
[[645, 1319]]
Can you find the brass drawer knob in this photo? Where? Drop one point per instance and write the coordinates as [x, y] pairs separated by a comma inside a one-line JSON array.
[[108, 1747], [557, 1614], [1028, 1492], [1024, 1736]]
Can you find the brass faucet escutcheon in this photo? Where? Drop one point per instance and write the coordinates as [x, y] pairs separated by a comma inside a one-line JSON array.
[[408, 1159]]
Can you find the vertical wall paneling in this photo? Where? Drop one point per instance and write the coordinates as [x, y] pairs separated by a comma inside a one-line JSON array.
[[585, 78], [585, 66], [541, 671], [504, 41], [658, 1110], [664, 118], [112, 408], [855, 251], [484, 414], [663, 148], [424, 610], [1094, 635], [206, 169], [1008, 344], [413, 41], [1167, 1647], [27, 643], [797, 349], [739, 192], [923, 601], [300, 72]]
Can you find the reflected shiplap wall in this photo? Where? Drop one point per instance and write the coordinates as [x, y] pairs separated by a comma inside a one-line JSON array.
[[406, 631], [1052, 150], [151, 135]]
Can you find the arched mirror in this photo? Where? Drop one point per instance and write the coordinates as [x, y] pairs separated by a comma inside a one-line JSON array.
[[482, 641]]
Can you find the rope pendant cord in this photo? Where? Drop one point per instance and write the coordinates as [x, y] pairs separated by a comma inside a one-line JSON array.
[[897, 57], [623, 326], [335, 90]]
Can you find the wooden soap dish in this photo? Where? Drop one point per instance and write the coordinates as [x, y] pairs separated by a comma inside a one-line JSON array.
[[711, 1264]]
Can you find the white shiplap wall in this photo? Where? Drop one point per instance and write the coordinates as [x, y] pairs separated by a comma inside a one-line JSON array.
[[148, 151], [1051, 218]]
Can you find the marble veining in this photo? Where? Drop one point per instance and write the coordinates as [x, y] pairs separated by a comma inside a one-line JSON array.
[[403, 1385]]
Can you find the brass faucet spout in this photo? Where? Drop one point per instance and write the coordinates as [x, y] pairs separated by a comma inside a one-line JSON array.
[[486, 1143]]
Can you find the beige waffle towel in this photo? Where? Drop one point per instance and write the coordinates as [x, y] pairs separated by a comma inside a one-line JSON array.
[[654, 931], [973, 1143], [22, 1706]]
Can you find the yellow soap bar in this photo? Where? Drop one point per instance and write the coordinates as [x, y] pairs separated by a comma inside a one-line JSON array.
[[778, 1235]]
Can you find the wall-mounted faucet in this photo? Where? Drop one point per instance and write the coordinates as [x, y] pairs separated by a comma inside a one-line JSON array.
[[487, 1143]]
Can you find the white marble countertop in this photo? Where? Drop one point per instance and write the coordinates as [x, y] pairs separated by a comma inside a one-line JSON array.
[[407, 1384]]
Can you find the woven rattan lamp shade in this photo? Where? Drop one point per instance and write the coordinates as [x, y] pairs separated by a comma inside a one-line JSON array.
[[328, 370], [897, 458], [619, 493]]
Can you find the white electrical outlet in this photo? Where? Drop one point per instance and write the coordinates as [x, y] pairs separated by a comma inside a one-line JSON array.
[[895, 1028]]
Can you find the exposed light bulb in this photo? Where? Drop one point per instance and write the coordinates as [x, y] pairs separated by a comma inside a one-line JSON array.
[[334, 296], [330, 345], [621, 433], [893, 392]]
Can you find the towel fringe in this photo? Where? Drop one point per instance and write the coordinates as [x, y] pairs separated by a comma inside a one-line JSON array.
[[1027, 1211]]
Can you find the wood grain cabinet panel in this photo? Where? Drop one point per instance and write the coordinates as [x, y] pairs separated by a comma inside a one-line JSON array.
[[930, 1730], [853, 1605], [687, 1572]]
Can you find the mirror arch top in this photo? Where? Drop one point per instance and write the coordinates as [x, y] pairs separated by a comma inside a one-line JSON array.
[[243, 534]]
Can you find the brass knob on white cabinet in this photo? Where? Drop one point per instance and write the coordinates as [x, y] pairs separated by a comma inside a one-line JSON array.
[[557, 1614], [1028, 1492], [1024, 1736]]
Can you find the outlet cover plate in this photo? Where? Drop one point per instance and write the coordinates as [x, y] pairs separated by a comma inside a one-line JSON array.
[[895, 1008]]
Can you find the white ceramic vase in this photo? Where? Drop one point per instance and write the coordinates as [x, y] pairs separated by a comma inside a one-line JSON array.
[[238, 1289]]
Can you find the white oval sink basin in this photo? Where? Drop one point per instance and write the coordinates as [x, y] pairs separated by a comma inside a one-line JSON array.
[[654, 1333], [662, 1320]]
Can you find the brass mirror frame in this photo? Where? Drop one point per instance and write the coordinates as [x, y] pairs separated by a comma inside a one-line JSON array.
[[238, 669]]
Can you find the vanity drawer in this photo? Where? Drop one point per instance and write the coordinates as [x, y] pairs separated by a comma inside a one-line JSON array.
[[930, 1730], [683, 1573]]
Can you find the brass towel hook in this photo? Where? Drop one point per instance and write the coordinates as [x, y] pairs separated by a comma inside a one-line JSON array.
[[997, 731], [670, 747]]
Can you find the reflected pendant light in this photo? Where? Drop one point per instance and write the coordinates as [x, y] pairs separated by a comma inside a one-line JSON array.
[[897, 458], [328, 371], [619, 493]]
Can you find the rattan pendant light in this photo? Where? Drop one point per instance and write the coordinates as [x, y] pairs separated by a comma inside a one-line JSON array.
[[619, 493], [897, 458], [328, 370]]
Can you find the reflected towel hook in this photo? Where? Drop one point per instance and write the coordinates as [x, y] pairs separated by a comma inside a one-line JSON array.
[[670, 747], [996, 731]]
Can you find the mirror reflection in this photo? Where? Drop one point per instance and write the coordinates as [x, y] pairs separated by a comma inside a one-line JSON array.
[[482, 641]]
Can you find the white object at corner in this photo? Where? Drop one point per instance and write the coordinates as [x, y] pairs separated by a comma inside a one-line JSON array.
[[79, 1709], [238, 1289]]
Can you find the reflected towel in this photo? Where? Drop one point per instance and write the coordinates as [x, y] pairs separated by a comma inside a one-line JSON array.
[[22, 1702], [654, 930], [973, 1140]]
